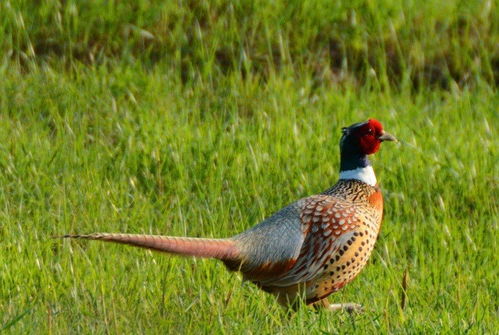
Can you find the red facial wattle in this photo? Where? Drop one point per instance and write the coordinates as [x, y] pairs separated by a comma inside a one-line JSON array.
[[369, 144], [369, 136]]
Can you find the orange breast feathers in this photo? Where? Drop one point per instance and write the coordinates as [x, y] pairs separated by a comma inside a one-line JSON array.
[[376, 200]]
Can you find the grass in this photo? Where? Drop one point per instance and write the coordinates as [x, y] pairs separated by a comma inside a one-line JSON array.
[[170, 139]]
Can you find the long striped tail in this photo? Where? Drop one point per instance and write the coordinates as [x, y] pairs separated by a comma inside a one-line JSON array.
[[223, 249]]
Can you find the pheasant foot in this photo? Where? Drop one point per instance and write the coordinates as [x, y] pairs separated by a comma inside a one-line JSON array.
[[350, 307]]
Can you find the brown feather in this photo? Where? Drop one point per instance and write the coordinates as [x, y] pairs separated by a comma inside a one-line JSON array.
[[223, 249]]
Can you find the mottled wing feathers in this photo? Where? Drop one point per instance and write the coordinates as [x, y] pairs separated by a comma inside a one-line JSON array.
[[326, 225]]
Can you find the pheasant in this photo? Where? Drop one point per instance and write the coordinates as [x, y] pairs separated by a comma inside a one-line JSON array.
[[309, 249]]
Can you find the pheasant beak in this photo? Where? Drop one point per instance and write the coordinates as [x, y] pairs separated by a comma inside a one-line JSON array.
[[387, 137]]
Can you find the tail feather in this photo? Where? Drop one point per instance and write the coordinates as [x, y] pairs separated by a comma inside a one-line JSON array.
[[223, 249]]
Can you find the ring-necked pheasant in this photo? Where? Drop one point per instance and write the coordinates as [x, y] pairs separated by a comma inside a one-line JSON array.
[[311, 248]]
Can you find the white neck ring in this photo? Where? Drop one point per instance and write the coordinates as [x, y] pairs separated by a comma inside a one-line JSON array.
[[364, 174]]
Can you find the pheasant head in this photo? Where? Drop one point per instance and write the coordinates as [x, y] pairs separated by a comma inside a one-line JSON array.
[[357, 142]]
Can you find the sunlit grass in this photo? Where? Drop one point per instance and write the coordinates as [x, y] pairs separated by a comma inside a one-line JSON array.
[[128, 144]]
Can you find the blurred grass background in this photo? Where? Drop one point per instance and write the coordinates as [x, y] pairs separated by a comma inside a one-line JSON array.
[[202, 118], [399, 42]]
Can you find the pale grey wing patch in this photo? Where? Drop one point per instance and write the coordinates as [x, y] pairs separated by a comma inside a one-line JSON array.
[[277, 239]]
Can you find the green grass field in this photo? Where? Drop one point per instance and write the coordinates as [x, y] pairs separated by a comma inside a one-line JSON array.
[[181, 118]]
